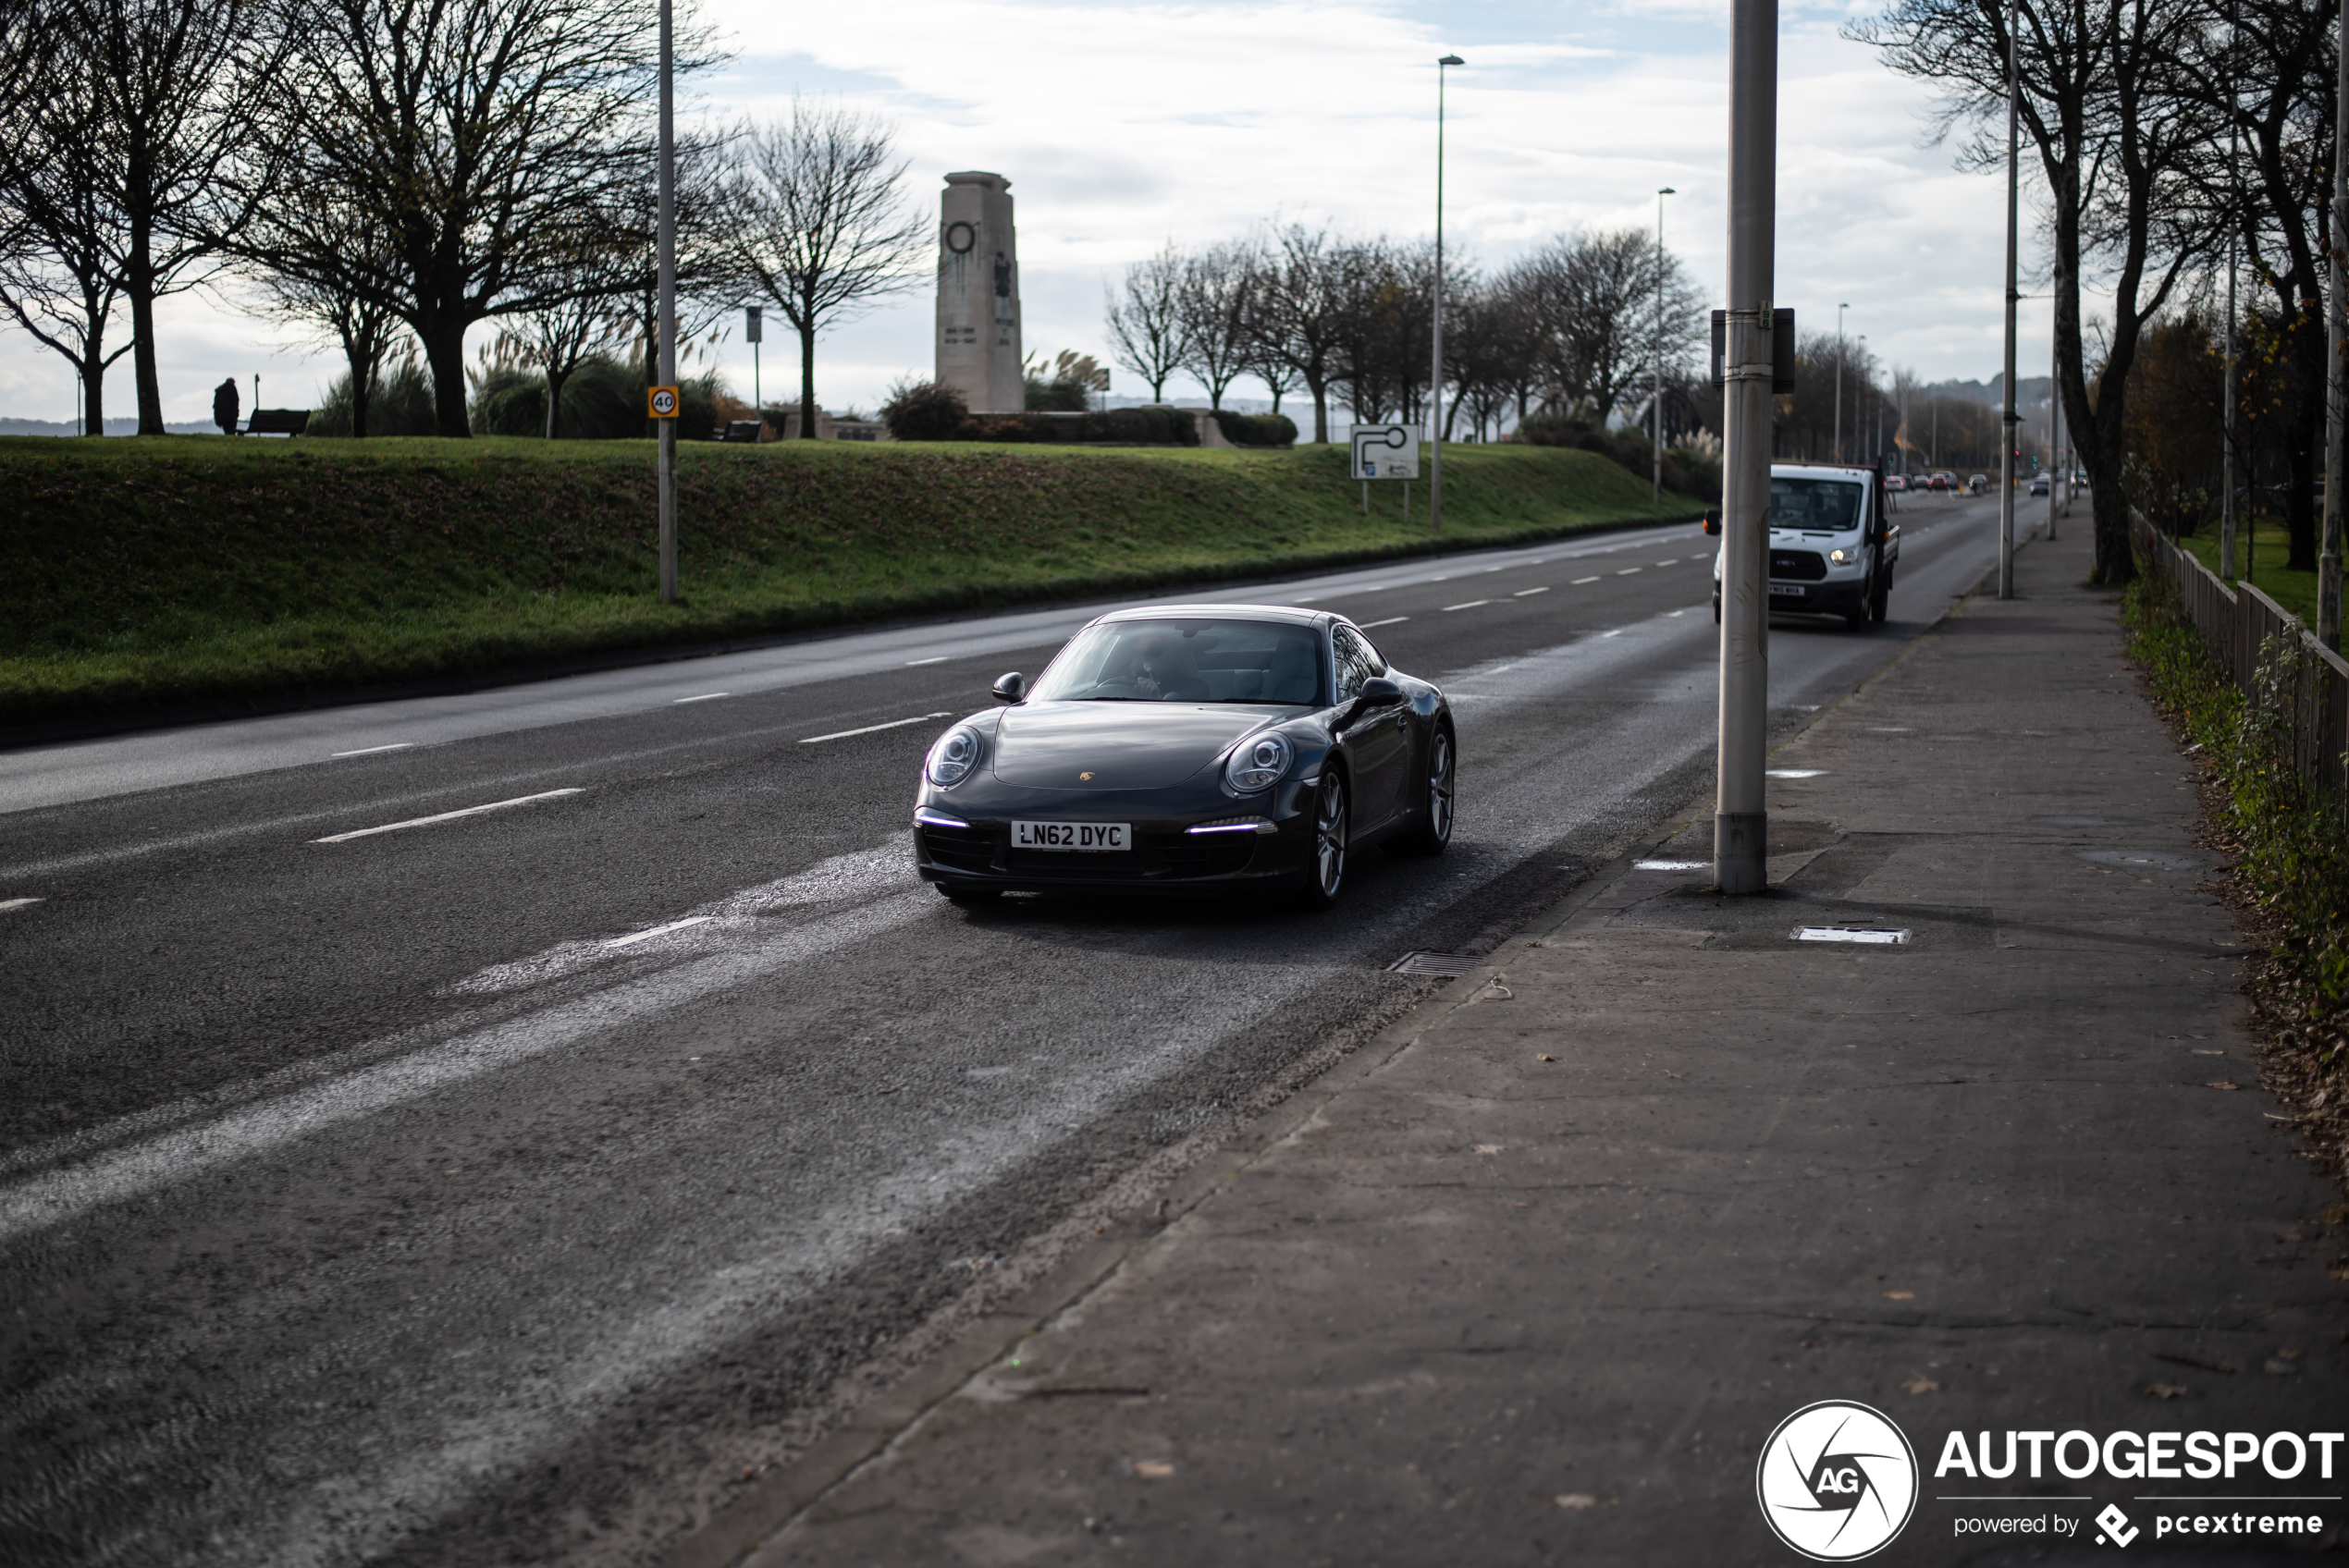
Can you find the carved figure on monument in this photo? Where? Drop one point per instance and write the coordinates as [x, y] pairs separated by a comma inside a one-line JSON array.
[[978, 325]]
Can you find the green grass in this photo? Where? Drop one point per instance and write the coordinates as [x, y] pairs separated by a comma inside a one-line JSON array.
[[162, 571], [2269, 549]]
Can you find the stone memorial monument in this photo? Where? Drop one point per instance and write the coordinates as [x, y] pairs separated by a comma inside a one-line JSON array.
[[979, 342]]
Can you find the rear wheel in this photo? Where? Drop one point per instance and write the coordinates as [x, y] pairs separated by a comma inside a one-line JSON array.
[[1331, 828], [1434, 828]]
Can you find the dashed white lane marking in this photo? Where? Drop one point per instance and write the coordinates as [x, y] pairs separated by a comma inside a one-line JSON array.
[[634, 938], [1307, 599], [874, 729], [1390, 620], [443, 817], [1670, 865], [1673, 561], [1523, 592], [1579, 580], [1794, 772], [705, 697], [936, 658], [1670, 614], [1616, 632], [7, 904], [371, 750], [1627, 572], [1469, 605]]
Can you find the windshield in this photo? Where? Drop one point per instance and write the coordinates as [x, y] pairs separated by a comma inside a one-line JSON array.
[[1832, 505], [1186, 661]]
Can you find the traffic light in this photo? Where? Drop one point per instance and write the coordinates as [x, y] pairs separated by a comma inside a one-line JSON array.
[[2034, 462]]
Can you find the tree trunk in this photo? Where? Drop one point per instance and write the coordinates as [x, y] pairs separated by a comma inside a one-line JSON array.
[[445, 352], [141, 286], [808, 386], [93, 403], [555, 402], [1321, 407], [363, 392]]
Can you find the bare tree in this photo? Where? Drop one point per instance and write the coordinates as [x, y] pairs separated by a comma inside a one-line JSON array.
[[1593, 298], [150, 104], [1213, 302], [1300, 314], [322, 250], [824, 225], [1145, 322], [2116, 146], [477, 135]]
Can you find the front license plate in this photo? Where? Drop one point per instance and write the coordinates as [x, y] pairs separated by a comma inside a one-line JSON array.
[[1096, 836], [1794, 588]]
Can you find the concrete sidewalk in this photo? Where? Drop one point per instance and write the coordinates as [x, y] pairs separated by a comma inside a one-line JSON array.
[[1536, 1277]]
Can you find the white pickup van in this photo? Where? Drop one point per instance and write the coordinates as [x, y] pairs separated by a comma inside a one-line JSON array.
[[1833, 543]]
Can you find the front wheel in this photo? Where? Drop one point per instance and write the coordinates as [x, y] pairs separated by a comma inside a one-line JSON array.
[[1434, 828], [1331, 831]]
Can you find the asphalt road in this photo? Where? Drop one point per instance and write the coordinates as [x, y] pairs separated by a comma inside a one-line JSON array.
[[508, 1184]]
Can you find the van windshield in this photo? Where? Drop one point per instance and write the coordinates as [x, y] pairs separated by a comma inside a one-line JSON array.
[[1832, 505]]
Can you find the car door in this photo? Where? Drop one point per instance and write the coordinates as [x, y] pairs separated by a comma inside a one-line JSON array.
[[1378, 740]]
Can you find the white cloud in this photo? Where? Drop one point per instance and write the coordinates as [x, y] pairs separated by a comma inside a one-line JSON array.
[[1123, 125]]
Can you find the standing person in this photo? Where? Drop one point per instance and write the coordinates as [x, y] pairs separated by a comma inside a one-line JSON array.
[[224, 406]]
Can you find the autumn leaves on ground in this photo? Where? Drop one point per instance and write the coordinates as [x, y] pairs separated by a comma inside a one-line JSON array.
[[159, 572]]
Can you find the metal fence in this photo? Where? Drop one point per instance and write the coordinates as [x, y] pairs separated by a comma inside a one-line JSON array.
[[2310, 680]]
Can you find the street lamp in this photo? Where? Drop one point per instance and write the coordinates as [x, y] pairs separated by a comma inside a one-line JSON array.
[[2010, 418], [668, 324], [1839, 380], [1658, 406], [1436, 381]]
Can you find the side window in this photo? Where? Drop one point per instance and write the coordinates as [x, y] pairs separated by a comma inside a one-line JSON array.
[[1356, 663]]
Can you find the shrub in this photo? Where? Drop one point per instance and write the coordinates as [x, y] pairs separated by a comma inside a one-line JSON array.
[[402, 405], [925, 411], [1001, 428], [1256, 430]]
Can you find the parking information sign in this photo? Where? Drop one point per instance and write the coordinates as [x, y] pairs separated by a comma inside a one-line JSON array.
[[660, 402], [1387, 452]]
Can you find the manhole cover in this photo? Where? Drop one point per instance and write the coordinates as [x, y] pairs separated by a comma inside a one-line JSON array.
[[2139, 860], [1425, 962], [1875, 936]]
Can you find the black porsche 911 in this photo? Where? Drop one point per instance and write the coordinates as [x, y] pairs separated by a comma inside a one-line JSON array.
[[1193, 749]]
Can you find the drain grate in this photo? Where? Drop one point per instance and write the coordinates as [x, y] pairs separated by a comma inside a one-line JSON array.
[[1424, 962]]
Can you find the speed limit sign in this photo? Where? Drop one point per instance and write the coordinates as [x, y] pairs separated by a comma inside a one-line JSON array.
[[660, 402]]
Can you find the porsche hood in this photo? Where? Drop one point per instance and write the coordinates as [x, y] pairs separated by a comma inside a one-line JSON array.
[[1116, 745]]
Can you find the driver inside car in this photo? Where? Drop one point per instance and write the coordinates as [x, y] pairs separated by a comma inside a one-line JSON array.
[[1163, 669]]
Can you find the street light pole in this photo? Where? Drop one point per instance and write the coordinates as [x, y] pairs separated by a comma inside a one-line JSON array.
[[1837, 456], [1740, 819], [1656, 404], [668, 324], [1436, 381], [2010, 418]]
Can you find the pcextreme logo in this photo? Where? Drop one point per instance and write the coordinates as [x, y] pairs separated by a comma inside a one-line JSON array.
[[1836, 1480]]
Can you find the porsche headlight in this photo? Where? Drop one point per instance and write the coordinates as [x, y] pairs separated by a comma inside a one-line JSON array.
[[953, 758], [1259, 763]]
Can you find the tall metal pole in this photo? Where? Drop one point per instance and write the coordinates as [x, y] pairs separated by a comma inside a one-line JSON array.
[[2055, 431], [2010, 418], [2337, 345], [667, 307], [1435, 380], [1656, 437], [1741, 820], [1836, 456], [2227, 415]]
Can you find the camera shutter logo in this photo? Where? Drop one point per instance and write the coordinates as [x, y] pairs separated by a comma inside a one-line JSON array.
[[1837, 1481]]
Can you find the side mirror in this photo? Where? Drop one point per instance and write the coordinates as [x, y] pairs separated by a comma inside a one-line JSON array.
[[1010, 688], [1712, 519], [1378, 691]]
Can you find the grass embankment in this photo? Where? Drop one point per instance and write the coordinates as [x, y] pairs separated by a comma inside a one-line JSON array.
[[174, 571], [2263, 549], [2291, 878]]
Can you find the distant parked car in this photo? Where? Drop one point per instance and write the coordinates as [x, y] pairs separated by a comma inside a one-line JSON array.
[[1896, 482], [2039, 485]]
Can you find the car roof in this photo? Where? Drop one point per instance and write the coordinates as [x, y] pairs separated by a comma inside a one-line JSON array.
[[1843, 469], [1288, 613]]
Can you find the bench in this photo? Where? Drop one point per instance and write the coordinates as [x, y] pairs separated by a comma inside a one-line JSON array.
[[277, 422], [741, 430]]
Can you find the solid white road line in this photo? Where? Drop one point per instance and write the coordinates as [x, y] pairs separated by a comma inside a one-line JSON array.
[[1523, 592], [1579, 580], [371, 750], [444, 817], [1469, 605], [935, 659], [873, 729], [706, 697], [16, 903], [1390, 620], [631, 941]]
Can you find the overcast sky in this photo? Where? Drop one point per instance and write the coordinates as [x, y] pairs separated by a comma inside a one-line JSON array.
[[1123, 125]]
